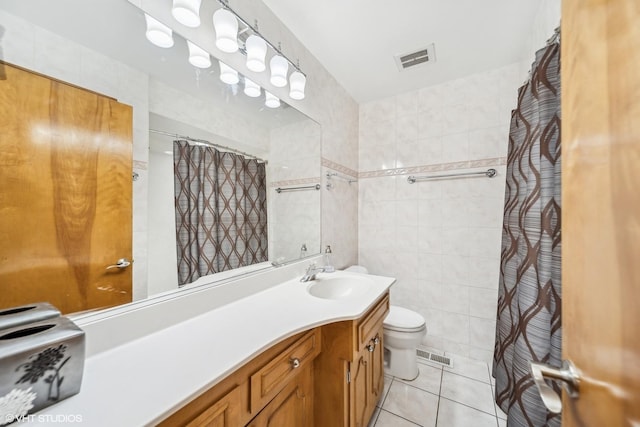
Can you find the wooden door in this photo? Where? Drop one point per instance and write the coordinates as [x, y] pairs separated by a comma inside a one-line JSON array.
[[601, 209], [65, 194]]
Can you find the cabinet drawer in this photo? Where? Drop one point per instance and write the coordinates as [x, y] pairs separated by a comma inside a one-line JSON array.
[[367, 327], [275, 375]]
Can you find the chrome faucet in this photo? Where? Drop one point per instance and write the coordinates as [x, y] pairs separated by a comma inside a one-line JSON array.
[[312, 270]]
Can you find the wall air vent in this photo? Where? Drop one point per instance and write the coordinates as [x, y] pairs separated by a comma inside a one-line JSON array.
[[425, 55]]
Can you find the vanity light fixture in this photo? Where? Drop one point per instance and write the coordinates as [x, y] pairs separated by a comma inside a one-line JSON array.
[[158, 33], [198, 57], [271, 100], [279, 68], [226, 26], [228, 74], [297, 82], [256, 49], [251, 88], [187, 12]]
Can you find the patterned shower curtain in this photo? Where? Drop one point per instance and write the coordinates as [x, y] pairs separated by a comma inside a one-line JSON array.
[[221, 210], [529, 298]]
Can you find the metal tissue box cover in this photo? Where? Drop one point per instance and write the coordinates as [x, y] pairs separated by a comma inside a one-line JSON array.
[[22, 315], [41, 363]]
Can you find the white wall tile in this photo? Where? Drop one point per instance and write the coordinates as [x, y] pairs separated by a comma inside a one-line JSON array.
[[430, 150], [482, 332], [431, 123], [485, 302], [406, 191], [407, 129], [407, 104], [430, 267]]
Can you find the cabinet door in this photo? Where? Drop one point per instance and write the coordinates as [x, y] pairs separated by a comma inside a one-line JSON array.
[[360, 393], [224, 413], [292, 407], [377, 368], [268, 381]]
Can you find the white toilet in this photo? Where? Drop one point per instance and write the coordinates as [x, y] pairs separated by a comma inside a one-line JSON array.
[[403, 332]]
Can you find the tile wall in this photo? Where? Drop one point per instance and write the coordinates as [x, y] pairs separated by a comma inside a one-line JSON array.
[[440, 239], [294, 217]]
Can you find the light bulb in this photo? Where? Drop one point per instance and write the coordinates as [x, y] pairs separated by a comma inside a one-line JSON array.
[[187, 12], [297, 81], [279, 67], [256, 51], [226, 26], [198, 57], [251, 88], [158, 33], [228, 74], [271, 100]]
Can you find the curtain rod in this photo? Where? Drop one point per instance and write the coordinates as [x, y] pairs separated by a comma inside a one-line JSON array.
[[204, 141]]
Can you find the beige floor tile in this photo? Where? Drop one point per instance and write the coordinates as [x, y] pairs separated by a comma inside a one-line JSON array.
[[408, 402], [470, 368], [386, 419], [452, 414], [428, 379], [467, 391]]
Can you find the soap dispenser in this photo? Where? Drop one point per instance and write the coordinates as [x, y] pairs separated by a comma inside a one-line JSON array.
[[328, 267]]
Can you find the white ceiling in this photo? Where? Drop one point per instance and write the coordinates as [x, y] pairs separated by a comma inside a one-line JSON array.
[[357, 39]]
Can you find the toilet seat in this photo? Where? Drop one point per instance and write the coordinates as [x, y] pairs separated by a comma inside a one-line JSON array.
[[402, 320]]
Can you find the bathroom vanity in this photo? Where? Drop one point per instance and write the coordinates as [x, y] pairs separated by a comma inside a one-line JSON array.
[[265, 350], [331, 375]]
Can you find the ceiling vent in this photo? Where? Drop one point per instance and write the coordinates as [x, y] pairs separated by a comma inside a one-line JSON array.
[[426, 55]]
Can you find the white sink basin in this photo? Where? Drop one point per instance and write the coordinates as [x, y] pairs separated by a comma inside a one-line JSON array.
[[339, 287]]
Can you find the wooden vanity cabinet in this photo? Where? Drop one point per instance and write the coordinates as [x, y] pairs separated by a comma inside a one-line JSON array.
[[349, 372], [273, 388], [328, 376]]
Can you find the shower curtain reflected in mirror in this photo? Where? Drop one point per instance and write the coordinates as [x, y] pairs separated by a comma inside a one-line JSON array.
[[529, 297], [221, 210]]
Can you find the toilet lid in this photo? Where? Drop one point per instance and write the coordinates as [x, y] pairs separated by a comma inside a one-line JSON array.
[[402, 318]]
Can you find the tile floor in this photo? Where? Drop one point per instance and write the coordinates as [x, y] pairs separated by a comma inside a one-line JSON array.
[[461, 396]]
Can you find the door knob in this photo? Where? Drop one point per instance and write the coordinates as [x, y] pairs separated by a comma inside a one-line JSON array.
[[569, 376], [120, 264]]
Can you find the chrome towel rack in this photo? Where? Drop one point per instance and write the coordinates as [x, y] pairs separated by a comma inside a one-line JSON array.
[[489, 173], [337, 175], [306, 187]]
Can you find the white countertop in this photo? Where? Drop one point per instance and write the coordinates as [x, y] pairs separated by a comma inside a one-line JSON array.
[[145, 380]]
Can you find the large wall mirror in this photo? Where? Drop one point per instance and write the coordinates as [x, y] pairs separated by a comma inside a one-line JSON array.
[[100, 45]]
